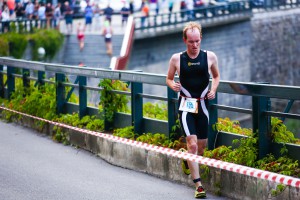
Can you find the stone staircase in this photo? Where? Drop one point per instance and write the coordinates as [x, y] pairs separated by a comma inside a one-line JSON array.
[[94, 52]]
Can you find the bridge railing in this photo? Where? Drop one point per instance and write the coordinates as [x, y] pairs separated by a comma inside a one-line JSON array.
[[25, 25], [209, 13], [261, 96]]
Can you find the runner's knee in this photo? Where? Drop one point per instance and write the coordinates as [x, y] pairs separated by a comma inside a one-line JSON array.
[[193, 148]]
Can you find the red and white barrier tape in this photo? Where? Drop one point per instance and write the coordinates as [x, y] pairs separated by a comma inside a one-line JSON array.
[[278, 178]]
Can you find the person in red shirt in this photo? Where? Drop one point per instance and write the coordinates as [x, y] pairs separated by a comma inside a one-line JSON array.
[[11, 6]]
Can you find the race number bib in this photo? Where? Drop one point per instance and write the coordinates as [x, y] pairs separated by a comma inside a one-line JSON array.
[[189, 105]]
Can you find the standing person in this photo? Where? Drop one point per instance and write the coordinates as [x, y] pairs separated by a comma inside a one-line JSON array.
[[182, 8], [171, 4], [194, 67], [29, 9], [80, 35], [189, 9], [144, 14], [5, 17], [49, 14], [57, 15], [97, 16], [108, 12], [125, 13], [131, 6], [20, 11], [68, 13], [42, 15], [88, 14], [107, 33]]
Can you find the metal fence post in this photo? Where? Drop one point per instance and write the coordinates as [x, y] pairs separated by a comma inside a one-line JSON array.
[[1, 82], [171, 109], [261, 124], [26, 81], [60, 92], [137, 107], [82, 97], [213, 119], [10, 81], [41, 76]]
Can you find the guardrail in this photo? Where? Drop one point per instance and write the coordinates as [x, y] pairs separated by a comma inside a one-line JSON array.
[[261, 94]]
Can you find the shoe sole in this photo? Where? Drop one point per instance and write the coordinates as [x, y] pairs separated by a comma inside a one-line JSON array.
[[200, 196]]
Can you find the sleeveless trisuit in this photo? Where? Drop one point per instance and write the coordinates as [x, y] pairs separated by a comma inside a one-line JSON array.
[[194, 79]]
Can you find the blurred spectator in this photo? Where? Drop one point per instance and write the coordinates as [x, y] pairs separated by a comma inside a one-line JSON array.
[[68, 13], [189, 9], [88, 14], [42, 15], [20, 11], [49, 14], [29, 10], [35, 14], [131, 6], [57, 16], [145, 14], [182, 8], [125, 13], [5, 18], [108, 12], [11, 6], [171, 4], [97, 16]]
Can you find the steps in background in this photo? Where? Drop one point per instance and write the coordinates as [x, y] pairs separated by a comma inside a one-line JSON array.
[[94, 52]]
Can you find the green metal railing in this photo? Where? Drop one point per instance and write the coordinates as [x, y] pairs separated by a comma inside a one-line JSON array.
[[261, 94]]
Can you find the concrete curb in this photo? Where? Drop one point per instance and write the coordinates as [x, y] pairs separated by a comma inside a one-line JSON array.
[[218, 181]]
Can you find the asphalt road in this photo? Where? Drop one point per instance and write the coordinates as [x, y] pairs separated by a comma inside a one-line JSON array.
[[33, 167]]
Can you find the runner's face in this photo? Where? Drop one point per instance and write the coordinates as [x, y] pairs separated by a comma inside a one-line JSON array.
[[193, 40]]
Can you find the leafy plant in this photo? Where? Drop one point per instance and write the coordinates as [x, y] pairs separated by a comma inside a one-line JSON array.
[[227, 125], [4, 46], [280, 133], [155, 110], [60, 136], [17, 44], [112, 102], [279, 189], [127, 132]]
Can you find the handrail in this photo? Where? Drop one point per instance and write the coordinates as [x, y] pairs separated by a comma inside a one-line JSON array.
[[120, 62], [231, 87]]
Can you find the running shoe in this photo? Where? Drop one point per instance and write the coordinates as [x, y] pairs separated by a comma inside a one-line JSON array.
[[200, 193], [184, 164]]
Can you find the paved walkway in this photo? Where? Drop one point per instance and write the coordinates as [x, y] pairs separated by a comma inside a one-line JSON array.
[[33, 167]]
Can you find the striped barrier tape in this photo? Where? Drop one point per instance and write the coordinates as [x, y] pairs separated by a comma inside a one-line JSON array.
[[270, 176]]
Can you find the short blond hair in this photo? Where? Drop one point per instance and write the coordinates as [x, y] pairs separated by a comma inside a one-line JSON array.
[[191, 25]]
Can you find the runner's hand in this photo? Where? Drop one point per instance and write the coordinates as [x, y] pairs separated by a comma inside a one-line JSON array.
[[211, 94], [177, 87]]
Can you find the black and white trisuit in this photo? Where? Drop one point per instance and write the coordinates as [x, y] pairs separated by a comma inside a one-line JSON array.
[[194, 79]]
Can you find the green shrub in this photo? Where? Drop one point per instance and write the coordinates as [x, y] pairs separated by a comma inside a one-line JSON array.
[[17, 44], [49, 39], [4, 46]]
